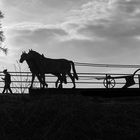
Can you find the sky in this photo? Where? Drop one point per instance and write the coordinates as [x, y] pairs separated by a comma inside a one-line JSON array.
[[90, 31]]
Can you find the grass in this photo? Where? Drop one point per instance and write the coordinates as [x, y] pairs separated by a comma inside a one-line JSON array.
[[71, 117]]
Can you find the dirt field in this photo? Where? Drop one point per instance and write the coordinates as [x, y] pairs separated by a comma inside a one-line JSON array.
[[69, 117]]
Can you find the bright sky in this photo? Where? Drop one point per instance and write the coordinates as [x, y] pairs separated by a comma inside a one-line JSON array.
[[92, 31]]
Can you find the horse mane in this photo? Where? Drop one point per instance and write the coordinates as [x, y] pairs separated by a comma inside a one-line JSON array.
[[35, 54], [36, 59]]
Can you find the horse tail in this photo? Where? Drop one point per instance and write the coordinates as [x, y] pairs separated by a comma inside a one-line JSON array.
[[74, 70]]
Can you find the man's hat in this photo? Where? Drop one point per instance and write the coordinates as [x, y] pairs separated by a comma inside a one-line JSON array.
[[4, 70]]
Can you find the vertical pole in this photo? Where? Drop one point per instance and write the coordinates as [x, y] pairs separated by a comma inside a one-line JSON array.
[[106, 81], [139, 79]]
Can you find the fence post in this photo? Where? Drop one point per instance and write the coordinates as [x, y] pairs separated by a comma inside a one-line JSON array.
[[106, 81], [139, 79]]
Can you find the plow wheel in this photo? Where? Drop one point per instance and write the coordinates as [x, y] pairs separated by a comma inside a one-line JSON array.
[[109, 82]]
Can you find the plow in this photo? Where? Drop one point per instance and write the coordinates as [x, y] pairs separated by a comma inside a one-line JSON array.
[[109, 81]]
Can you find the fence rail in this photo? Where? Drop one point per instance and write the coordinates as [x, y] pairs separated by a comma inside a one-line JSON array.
[[106, 65], [21, 81]]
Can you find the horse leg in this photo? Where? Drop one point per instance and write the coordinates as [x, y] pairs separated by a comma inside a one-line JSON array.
[[60, 85], [44, 82], [64, 78], [56, 83], [57, 75], [72, 78], [61, 81], [33, 77], [41, 78], [59, 78]]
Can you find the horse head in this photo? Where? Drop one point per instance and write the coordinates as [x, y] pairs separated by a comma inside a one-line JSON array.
[[24, 56]]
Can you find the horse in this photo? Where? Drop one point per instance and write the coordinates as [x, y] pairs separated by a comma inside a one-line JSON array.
[[33, 68], [57, 67], [39, 58]]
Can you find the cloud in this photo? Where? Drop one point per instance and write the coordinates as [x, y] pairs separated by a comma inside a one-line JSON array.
[[128, 6], [107, 19], [95, 20], [27, 33], [105, 30], [105, 51], [31, 26], [90, 13], [46, 11], [115, 31]]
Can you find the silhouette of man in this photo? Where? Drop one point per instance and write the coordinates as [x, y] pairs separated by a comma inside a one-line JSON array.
[[7, 81]]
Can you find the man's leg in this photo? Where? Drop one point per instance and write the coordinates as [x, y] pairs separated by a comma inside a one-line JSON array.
[[4, 89], [10, 89]]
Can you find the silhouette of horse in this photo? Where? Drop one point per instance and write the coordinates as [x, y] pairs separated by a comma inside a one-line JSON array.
[[57, 67], [33, 68], [39, 59]]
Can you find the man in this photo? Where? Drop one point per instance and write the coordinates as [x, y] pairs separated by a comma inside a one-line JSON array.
[[7, 81]]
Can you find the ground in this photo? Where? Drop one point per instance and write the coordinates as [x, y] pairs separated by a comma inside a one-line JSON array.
[[69, 117]]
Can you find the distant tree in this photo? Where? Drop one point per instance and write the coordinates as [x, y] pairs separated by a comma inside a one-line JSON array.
[[2, 37]]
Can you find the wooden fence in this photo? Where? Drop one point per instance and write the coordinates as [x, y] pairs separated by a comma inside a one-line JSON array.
[[21, 81]]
